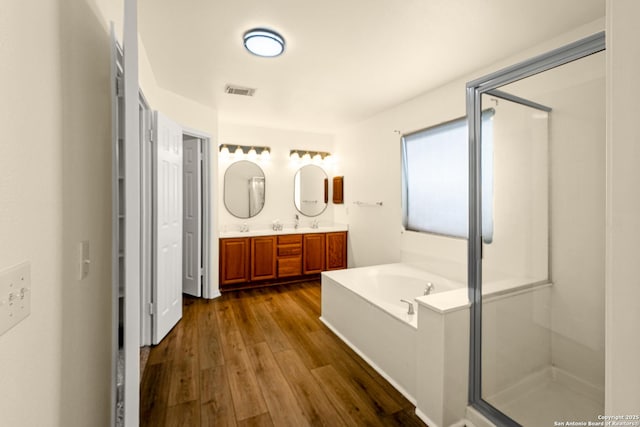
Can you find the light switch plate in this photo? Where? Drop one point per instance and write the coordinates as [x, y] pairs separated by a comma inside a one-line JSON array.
[[15, 295]]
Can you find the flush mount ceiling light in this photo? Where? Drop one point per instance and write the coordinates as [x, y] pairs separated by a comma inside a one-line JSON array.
[[263, 42]]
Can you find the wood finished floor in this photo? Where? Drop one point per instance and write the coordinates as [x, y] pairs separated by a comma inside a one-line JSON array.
[[262, 358]]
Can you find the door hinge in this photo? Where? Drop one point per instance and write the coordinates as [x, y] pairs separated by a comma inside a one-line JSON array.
[[119, 87], [150, 133], [152, 309]]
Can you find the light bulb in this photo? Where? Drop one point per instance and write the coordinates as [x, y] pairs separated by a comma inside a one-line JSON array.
[[224, 152], [265, 155], [252, 154], [295, 156], [328, 159], [317, 158], [238, 154], [306, 157]]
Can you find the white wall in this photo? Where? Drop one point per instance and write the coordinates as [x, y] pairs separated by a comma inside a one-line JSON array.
[[520, 246], [194, 116], [54, 192], [279, 172], [371, 165], [578, 228], [186, 112], [370, 161], [515, 339], [31, 204], [622, 389]]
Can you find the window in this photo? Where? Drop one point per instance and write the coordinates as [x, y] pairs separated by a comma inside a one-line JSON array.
[[435, 179]]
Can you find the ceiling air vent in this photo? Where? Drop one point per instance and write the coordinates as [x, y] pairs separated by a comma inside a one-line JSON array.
[[238, 90]]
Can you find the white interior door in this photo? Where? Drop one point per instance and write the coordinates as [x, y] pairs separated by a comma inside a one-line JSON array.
[[192, 250], [167, 277]]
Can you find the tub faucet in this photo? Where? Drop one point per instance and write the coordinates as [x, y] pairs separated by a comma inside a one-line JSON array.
[[410, 310], [429, 288]]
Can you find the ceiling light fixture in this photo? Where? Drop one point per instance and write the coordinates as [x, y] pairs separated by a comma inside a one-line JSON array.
[[263, 42]]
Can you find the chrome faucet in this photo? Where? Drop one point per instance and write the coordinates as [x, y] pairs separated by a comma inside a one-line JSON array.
[[410, 310], [244, 227], [429, 288], [315, 224], [297, 222]]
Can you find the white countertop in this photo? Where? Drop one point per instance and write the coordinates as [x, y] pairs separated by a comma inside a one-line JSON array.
[[286, 230]]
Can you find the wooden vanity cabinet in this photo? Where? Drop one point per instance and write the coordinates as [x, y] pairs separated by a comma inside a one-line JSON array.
[[336, 250], [263, 258], [234, 260], [290, 255], [313, 257], [260, 260]]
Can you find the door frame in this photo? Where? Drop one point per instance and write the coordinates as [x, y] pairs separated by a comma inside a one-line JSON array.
[[146, 168], [117, 108], [146, 221], [205, 141]]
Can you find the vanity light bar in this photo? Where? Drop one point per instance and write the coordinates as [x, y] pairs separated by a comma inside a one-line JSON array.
[[302, 154], [249, 151]]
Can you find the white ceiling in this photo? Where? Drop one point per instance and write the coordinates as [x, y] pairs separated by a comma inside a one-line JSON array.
[[345, 59]]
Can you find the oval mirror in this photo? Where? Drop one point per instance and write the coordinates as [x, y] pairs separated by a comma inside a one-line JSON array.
[[310, 190], [244, 186]]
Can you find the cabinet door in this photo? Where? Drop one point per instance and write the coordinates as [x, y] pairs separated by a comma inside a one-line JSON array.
[[263, 258], [290, 266], [234, 261], [313, 253], [337, 250]]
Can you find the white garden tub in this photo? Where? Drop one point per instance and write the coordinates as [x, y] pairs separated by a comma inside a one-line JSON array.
[[362, 306]]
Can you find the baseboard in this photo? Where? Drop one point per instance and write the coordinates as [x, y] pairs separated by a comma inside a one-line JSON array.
[[425, 419], [215, 294]]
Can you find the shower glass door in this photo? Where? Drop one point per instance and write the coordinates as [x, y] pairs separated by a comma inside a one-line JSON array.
[[538, 283]]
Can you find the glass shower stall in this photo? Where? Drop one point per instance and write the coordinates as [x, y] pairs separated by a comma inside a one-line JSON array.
[[537, 284]]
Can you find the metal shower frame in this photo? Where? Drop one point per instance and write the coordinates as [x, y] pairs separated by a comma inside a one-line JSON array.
[[475, 89]]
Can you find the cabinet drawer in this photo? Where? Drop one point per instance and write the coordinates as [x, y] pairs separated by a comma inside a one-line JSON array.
[[290, 239], [288, 250], [291, 266]]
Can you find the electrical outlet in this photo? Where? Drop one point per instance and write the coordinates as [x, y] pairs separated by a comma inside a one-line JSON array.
[[15, 295]]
